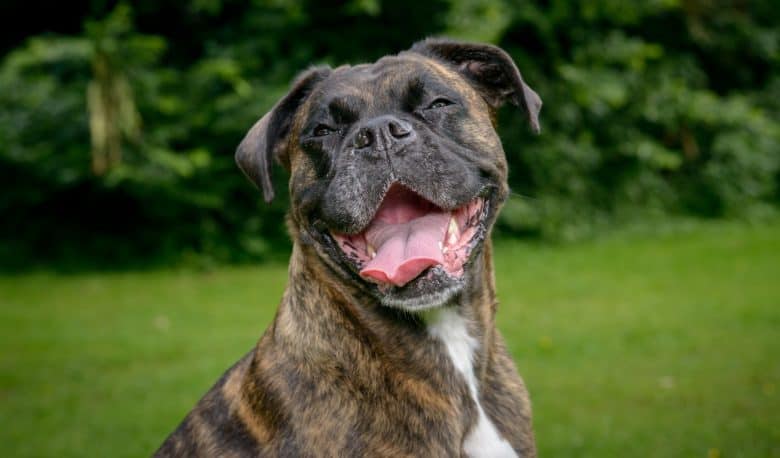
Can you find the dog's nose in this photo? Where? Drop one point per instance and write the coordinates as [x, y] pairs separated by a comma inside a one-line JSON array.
[[383, 133]]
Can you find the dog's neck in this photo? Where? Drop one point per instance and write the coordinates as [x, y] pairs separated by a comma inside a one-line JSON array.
[[444, 351], [397, 337]]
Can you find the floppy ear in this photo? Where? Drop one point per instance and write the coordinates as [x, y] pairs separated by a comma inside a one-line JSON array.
[[490, 69], [267, 140]]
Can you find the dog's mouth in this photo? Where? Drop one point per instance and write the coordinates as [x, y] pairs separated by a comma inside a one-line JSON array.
[[410, 236]]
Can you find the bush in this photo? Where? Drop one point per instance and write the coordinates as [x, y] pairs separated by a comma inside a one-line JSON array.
[[651, 108]]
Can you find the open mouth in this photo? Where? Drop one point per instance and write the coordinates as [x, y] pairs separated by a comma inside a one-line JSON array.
[[409, 236]]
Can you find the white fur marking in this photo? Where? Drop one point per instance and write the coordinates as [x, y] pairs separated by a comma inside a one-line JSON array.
[[484, 439]]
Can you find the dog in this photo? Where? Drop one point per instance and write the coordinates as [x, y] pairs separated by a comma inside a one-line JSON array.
[[384, 343]]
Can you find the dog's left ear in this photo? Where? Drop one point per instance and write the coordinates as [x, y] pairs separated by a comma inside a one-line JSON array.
[[490, 69], [267, 140]]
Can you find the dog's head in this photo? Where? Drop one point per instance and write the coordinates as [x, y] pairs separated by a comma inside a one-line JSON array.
[[396, 171]]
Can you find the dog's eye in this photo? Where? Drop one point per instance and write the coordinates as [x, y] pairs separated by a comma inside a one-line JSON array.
[[439, 103], [322, 130]]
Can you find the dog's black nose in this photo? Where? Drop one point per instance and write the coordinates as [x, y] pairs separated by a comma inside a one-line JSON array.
[[383, 133], [399, 129]]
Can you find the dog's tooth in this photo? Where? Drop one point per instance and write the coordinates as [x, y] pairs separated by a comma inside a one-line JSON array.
[[453, 232], [371, 251], [441, 247]]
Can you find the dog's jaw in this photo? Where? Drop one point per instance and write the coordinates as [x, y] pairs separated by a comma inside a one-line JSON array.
[[450, 254], [428, 301]]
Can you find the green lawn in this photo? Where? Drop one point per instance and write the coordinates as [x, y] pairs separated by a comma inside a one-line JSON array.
[[632, 346]]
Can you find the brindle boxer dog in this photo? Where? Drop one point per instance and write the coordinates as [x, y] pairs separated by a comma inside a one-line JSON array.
[[384, 344]]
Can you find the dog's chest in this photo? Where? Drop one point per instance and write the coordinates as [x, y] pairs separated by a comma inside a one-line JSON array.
[[483, 440]]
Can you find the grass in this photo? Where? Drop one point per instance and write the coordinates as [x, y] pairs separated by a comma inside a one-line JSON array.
[[664, 345]]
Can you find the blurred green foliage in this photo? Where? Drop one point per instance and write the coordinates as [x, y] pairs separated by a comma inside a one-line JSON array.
[[651, 108]]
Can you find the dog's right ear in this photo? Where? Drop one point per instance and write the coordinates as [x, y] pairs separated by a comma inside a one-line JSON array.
[[490, 69], [267, 140]]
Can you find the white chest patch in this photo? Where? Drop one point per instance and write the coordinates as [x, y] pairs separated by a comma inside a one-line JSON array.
[[484, 440]]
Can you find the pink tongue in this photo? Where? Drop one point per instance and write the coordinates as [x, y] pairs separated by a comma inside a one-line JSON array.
[[404, 250]]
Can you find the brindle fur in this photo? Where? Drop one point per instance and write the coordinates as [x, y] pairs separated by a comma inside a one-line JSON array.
[[339, 375]]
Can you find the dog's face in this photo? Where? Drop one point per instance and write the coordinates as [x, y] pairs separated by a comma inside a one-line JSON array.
[[396, 171]]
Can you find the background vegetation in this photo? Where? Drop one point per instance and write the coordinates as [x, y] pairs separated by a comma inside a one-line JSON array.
[[118, 121]]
